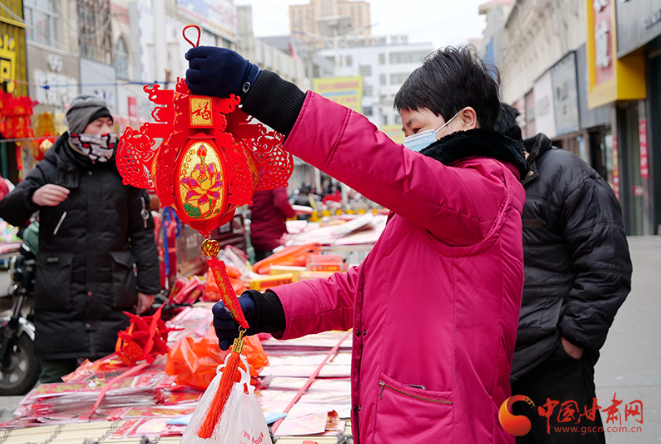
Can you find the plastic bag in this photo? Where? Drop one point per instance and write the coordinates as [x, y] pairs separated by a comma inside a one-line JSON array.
[[293, 256], [194, 361], [242, 421], [211, 291]]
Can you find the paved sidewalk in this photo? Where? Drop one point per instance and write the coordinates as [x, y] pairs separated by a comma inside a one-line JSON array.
[[630, 363]]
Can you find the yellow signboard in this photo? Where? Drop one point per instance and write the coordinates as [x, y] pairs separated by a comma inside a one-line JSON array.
[[394, 132], [347, 91], [12, 50], [609, 78]]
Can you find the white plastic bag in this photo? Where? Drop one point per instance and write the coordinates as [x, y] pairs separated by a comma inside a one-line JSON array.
[[242, 421]]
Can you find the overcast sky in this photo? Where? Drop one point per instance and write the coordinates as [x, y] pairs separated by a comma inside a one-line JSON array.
[[441, 22]]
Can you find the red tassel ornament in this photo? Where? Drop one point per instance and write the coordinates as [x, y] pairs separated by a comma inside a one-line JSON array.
[[229, 378]]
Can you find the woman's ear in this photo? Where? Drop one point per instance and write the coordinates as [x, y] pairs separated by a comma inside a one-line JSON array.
[[469, 118]]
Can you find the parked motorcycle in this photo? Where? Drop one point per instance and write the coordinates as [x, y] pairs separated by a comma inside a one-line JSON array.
[[19, 367]]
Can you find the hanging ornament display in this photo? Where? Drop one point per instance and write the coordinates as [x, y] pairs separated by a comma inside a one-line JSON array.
[[16, 112], [211, 161], [145, 338], [44, 127]]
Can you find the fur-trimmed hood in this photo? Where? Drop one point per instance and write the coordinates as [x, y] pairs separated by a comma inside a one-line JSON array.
[[478, 143]]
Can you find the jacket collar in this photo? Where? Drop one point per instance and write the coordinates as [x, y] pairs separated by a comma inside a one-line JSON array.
[[478, 143], [535, 146]]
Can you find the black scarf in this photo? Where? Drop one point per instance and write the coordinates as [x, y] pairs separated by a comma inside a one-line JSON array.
[[478, 143]]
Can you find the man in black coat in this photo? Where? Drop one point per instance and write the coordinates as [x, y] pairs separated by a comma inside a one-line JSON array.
[[577, 275], [97, 254]]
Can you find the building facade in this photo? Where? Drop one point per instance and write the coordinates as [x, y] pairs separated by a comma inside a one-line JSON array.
[[635, 53], [586, 89], [384, 65], [13, 73], [283, 61], [490, 46], [303, 19]]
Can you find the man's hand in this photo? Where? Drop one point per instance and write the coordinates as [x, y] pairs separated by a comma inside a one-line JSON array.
[[572, 350], [50, 195], [219, 72], [144, 302], [227, 329]]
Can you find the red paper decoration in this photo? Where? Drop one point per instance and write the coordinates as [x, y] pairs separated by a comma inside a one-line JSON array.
[[212, 159]]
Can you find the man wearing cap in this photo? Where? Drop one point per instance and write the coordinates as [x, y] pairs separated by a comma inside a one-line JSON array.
[[97, 254]]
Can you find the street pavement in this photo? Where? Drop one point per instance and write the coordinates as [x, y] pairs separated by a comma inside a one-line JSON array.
[[630, 363]]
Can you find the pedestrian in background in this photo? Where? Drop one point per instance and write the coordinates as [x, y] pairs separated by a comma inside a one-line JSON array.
[[577, 275], [268, 214], [97, 254]]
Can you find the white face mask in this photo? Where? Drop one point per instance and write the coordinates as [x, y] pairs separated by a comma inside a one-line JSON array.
[[420, 141]]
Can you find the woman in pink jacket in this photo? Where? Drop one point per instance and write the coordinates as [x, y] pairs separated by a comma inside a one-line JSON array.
[[435, 306]]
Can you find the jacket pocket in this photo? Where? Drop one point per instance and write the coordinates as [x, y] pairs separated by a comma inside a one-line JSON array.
[[53, 282], [124, 280], [409, 414]]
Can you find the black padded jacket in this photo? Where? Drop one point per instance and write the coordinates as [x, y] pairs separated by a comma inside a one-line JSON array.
[[576, 256], [91, 266]]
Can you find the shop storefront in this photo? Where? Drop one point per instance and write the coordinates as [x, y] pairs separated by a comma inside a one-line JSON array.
[[619, 81], [639, 35], [13, 73], [57, 70]]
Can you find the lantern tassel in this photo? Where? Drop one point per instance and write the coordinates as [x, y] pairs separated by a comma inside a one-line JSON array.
[[227, 381]]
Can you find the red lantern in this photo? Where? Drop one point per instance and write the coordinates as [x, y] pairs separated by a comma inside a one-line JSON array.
[[212, 160]]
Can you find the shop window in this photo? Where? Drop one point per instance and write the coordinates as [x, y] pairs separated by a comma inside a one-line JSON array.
[[398, 79], [407, 57], [367, 111], [122, 59], [42, 22]]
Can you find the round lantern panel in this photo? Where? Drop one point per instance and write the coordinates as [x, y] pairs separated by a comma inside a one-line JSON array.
[[202, 189]]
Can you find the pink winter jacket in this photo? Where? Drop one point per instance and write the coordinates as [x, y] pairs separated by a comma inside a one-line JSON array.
[[435, 305]]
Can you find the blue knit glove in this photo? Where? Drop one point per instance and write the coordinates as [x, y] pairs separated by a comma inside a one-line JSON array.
[[227, 329], [219, 72]]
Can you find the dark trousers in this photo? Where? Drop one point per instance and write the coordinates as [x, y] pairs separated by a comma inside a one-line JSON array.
[[561, 385], [52, 370]]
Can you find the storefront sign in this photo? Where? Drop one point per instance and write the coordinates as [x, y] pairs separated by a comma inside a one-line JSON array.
[[616, 169], [347, 91], [638, 190], [100, 80], [609, 78], [563, 75], [57, 71], [133, 106], [12, 60], [642, 139], [545, 106], [638, 22], [589, 118]]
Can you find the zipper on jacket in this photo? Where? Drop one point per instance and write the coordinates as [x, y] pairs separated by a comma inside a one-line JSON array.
[[384, 386], [144, 213]]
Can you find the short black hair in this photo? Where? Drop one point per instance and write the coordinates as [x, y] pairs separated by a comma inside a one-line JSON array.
[[449, 80], [506, 123]]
